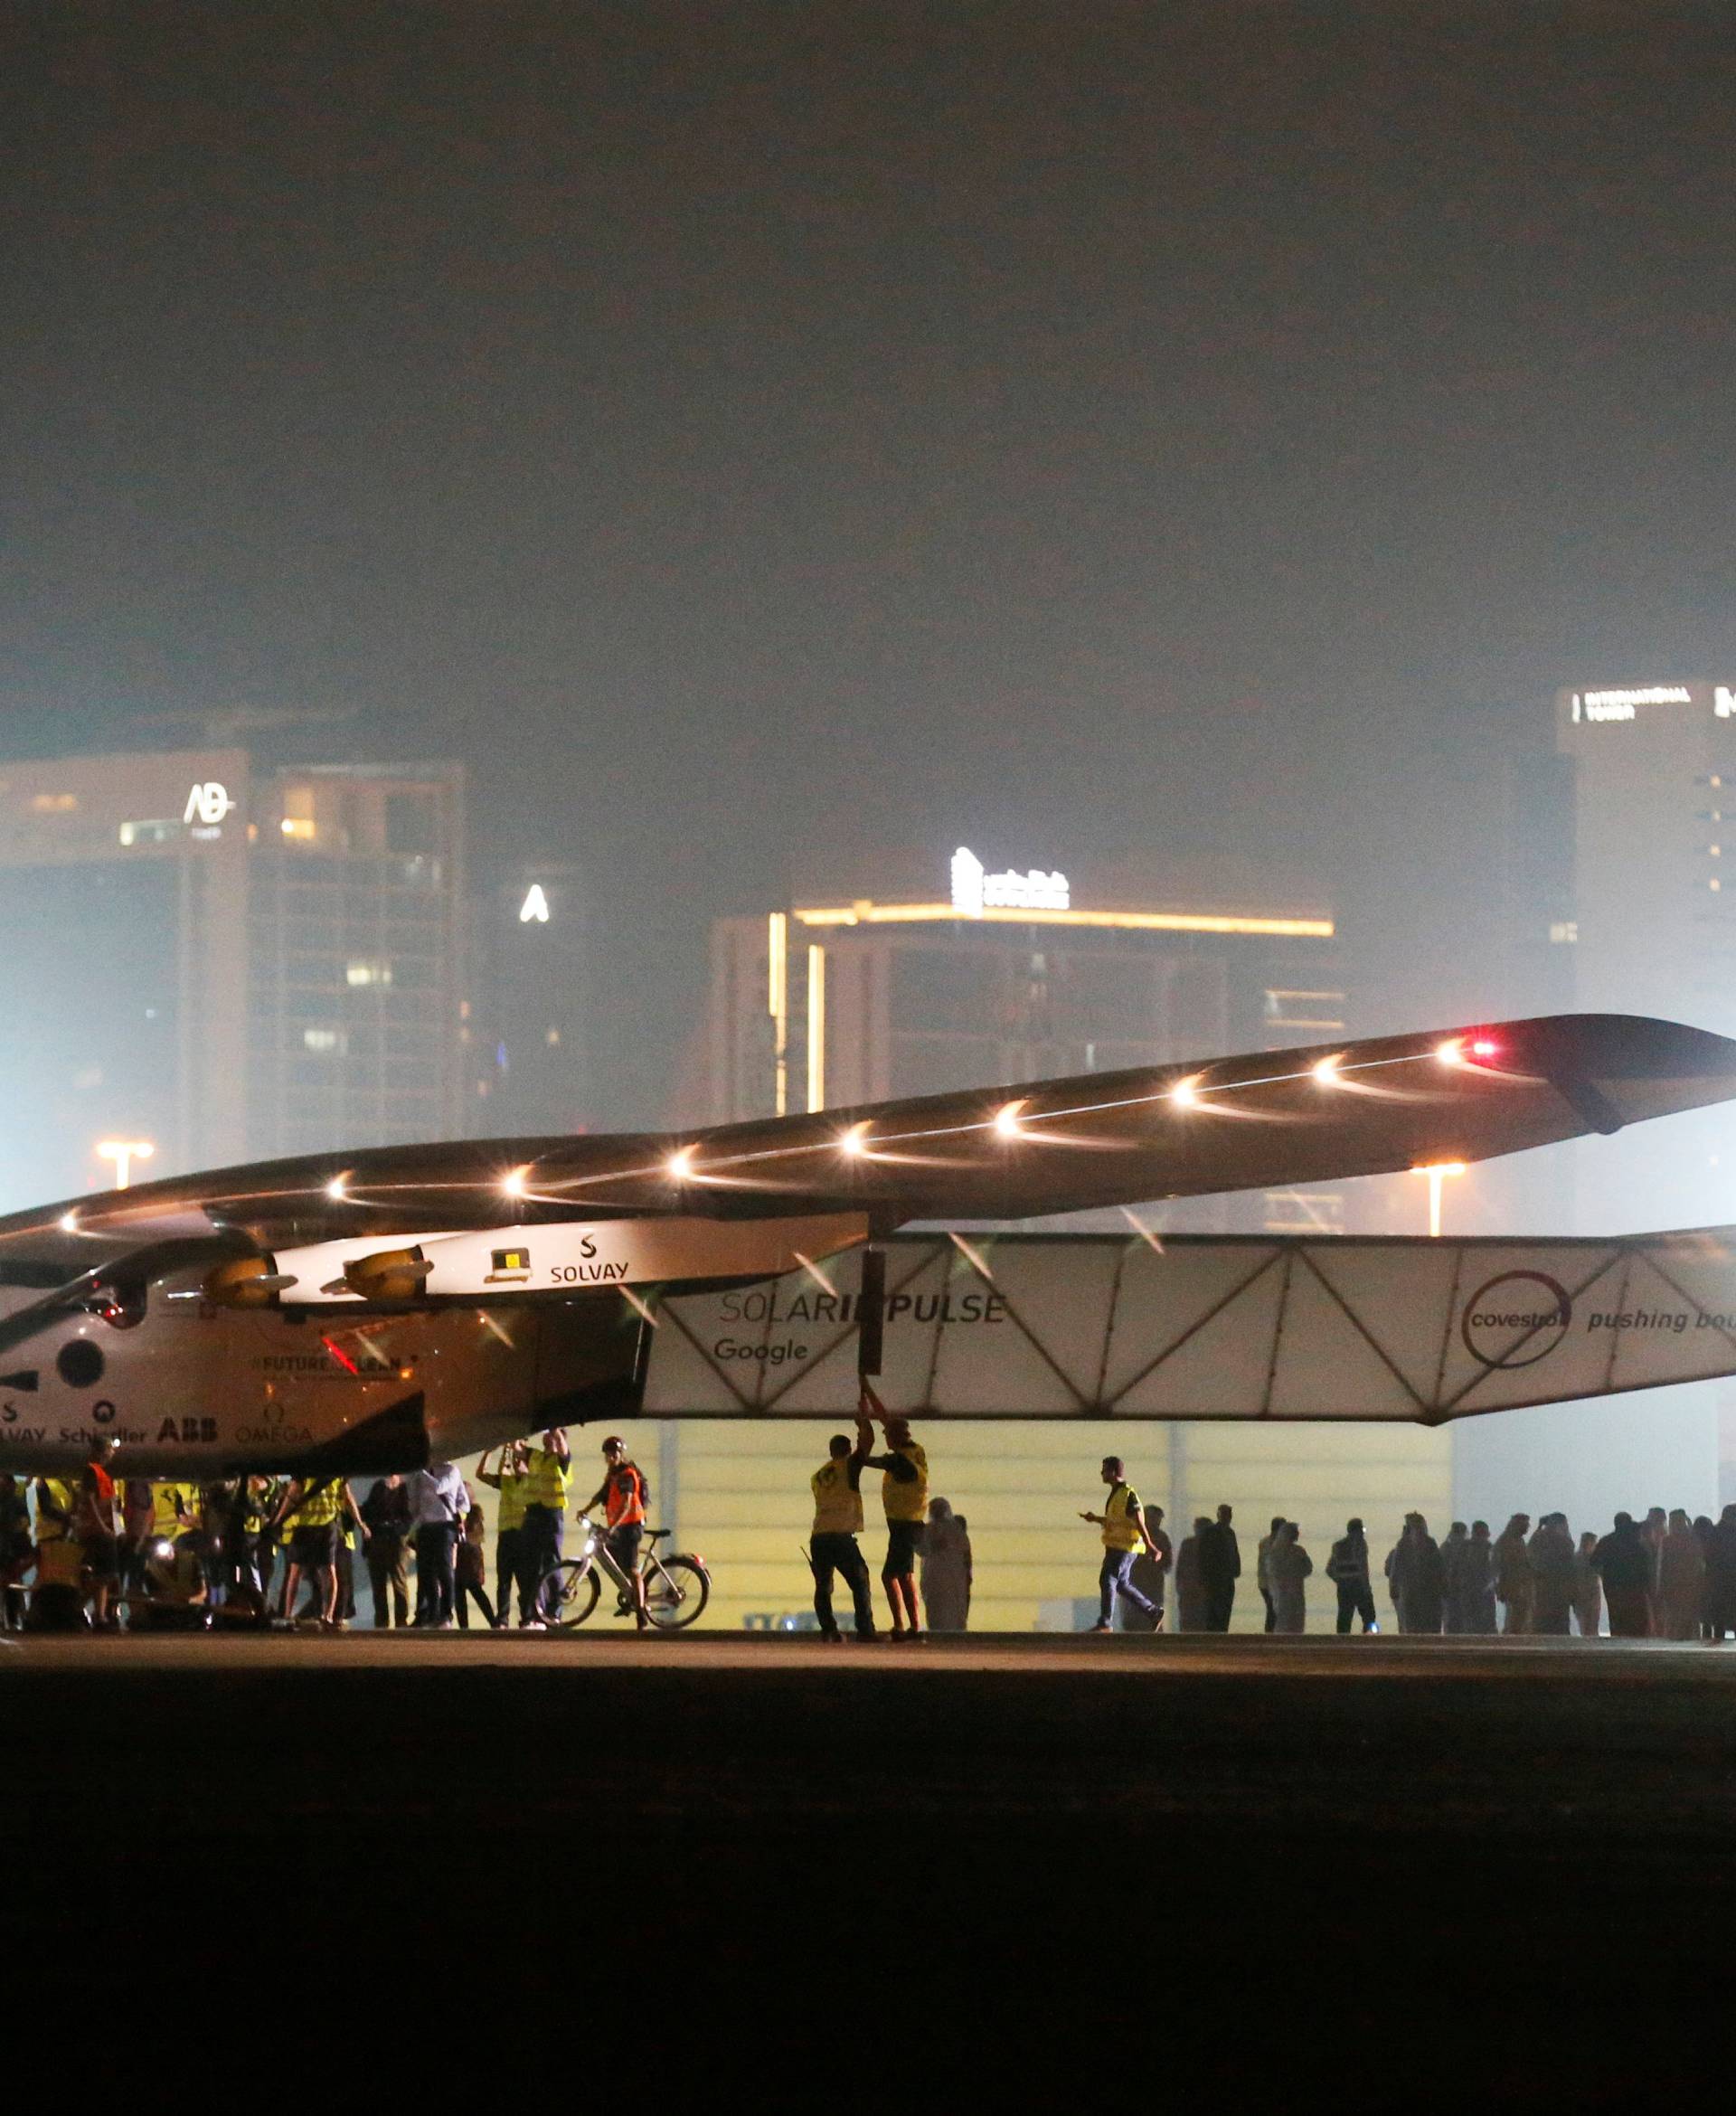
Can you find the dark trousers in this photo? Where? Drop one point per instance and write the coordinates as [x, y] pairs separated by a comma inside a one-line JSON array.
[[390, 1581], [1630, 1611], [832, 1553], [540, 1549], [1117, 1578], [509, 1573], [1272, 1614], [467, 1592], [1220, 1603], [434, 1583], [1355, 1599]]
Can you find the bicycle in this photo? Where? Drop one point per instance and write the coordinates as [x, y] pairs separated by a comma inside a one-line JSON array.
[[676, 1587]]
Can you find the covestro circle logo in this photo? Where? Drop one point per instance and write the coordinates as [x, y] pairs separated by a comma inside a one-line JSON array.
[[1516, 1319]]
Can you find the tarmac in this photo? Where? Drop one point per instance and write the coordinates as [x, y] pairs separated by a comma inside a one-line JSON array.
[[1467, 1858]]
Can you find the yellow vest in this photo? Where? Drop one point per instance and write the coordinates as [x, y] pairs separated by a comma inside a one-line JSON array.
[[547, 1483], [49, 1530], [906, 1502], [164, 1520], [1121, 1530], [512, 1503], [320, 1508], [837, 1506]]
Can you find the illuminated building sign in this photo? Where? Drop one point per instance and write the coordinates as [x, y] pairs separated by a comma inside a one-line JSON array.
[[1724, 702], [207, 804], [975, 891], [534, 909], [1595, 705]]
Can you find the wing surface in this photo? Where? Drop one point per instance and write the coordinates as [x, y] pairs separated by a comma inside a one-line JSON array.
[[1264, 1119]]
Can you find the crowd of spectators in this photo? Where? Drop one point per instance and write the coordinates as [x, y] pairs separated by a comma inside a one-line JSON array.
[[1665, 1576]]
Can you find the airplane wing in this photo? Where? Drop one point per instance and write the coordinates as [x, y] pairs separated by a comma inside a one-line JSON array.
[[1263, 1119]]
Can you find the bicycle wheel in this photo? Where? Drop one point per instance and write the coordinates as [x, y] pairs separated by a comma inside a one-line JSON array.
[[568, 1593], [676, 1593]]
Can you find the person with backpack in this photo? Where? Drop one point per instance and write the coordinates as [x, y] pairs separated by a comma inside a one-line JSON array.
[[623, 1495]]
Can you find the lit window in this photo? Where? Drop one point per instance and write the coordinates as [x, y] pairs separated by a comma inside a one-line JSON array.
[[1564, 933], [553, 1038], [53, 804], [1715, 851], [368, 973], [1715, 883], [325, 1041], [299, 828]]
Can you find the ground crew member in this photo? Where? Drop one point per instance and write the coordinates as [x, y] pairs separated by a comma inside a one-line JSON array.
[[1125, 1536], [314, 1505], [57, 1603], [173, 1512], [509, 1479], [832, 1546], [546, 1483], [623, 1494], [904, 1494], [96, 1521]]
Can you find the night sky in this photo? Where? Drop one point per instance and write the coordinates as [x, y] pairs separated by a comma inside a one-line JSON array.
[[750, 433]]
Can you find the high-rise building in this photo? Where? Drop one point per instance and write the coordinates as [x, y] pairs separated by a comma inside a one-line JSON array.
[[223, 960], [527, 1020], [967, 977], [999, 978]]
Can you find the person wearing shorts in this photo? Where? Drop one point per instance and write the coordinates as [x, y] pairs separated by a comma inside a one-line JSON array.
[[904, 1494], [97, 1527]]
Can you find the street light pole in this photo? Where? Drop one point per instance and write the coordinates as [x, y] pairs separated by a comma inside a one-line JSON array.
[[1437, 1171]]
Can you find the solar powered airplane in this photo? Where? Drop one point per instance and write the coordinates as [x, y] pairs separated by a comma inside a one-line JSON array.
[[371, 1311]]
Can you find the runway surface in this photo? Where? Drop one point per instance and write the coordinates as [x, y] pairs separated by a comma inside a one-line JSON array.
[[1447, 1853]]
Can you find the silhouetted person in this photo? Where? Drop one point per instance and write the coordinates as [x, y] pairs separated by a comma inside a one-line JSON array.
[[1152, 1568], [1190, 1589], [1720, 1576], [1587, 1589], [1288, 1566], [1681, 1578], [1347, 1569], [1552, 1573], [1262, 1572], [1514, 1584], [1452, 1578], [1654, 1528], [1477, 1564], [1220, 1569], [1627, 1566], [1413, 1577]]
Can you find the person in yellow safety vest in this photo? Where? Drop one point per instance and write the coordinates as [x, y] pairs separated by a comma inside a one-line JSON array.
[[317, 1503], [509, 1479], [548, 1480], [55, 1502], [832, 1546], [173, 1511], [1125, 1537], [904, 1494]]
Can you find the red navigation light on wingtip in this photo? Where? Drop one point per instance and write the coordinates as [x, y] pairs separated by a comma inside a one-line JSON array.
[[1484, 1047]]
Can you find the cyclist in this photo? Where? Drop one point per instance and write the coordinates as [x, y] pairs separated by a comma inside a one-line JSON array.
[[623, 1494]]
